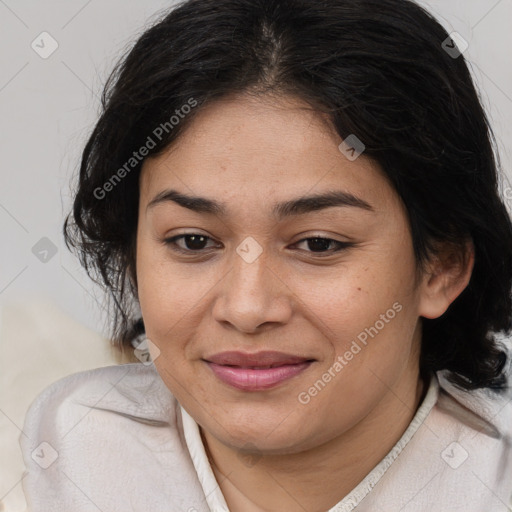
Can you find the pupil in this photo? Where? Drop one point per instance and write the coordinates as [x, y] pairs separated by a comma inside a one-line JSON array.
[[318, 244], [195, 242]]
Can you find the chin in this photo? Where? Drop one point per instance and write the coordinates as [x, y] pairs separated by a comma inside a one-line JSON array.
[[271, 437]]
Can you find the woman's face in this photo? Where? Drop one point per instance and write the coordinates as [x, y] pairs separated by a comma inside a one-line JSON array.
[[340, 317]]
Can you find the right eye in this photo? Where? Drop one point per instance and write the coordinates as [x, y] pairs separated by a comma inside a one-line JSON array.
[[193, 243]]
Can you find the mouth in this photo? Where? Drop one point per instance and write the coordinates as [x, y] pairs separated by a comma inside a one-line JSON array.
[[258, 371]]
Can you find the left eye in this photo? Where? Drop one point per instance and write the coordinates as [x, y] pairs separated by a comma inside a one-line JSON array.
[[321, 244]]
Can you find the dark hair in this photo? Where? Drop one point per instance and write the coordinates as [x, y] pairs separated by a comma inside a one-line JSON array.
[[379, 69]]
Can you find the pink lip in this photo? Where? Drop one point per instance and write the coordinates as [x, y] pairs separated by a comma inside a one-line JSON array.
[[251, 372]]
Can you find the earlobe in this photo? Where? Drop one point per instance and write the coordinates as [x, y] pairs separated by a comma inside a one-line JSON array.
[[448, 274]]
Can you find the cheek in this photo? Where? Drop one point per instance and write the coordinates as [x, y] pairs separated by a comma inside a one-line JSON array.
[[369, 314], [164, 297], [174, 301], [353, 297]]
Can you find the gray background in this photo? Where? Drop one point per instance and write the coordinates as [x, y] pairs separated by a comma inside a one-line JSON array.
[[49, 106]]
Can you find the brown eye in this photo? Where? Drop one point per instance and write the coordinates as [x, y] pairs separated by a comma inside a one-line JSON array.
[[319, 244], [192, 242], [324, 245], [195, 242]]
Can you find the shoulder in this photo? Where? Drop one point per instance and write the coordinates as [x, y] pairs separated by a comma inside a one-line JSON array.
[[483, 410], [128, 389], [472, 434], [88, 435]]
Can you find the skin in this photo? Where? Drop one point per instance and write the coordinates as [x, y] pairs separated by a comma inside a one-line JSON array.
[[249, 153]]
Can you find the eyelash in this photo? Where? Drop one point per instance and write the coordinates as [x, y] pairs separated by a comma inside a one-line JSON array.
[[171, 243]]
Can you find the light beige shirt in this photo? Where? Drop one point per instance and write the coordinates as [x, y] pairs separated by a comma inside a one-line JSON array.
[[115, 439]]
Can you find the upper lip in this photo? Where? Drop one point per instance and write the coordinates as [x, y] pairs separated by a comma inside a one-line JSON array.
[[264, 358]]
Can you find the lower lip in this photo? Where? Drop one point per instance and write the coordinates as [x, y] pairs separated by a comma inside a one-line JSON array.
[[255, 380]]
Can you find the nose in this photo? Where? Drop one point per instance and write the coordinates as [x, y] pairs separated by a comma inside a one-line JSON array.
[[253, 296]]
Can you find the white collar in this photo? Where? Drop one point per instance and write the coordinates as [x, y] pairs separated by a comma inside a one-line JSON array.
[[215, 498]]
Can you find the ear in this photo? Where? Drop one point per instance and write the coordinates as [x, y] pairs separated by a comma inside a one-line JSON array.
[[448, 273]]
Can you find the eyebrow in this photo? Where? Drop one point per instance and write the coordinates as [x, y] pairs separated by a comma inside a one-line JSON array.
[[281, 210]]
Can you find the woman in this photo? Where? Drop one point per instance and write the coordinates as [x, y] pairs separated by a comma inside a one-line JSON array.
[[295, 206]]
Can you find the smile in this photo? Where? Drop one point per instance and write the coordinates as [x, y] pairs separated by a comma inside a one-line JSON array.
[[256, 372]]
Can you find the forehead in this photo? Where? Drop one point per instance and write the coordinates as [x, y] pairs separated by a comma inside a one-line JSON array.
[[257, 150]]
